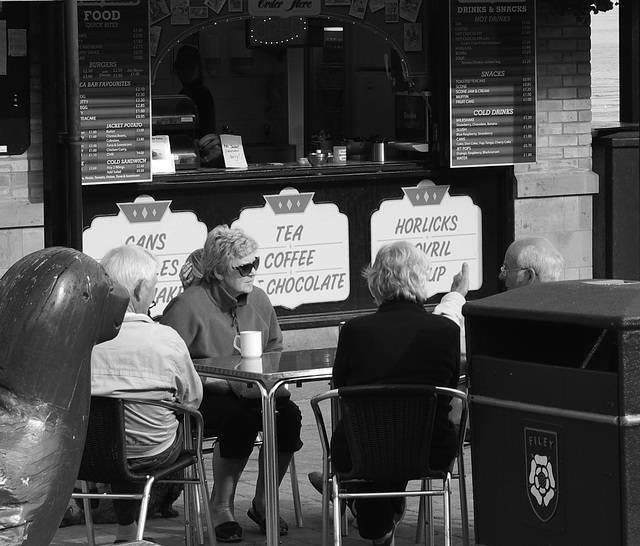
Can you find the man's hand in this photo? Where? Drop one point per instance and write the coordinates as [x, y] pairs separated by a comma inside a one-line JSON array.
[[461, 280]]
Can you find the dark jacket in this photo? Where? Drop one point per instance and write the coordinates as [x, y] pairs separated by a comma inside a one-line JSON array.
[[403, 343]]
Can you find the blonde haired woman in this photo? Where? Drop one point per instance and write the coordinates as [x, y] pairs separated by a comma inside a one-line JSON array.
[[400, 343]]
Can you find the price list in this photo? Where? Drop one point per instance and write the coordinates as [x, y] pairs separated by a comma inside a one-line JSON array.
[[115, 87], [493, 82]]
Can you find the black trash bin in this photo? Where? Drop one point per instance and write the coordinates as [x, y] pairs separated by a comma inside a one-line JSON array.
[[616, 207], [555, 414]]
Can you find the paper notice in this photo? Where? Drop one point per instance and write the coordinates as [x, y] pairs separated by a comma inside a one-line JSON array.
[[233, 151]]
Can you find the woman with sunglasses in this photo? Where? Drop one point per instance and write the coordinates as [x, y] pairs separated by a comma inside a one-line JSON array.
[[208, 315]]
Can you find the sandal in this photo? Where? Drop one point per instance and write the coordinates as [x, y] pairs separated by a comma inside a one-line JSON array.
[[229, 531], [262, 521]]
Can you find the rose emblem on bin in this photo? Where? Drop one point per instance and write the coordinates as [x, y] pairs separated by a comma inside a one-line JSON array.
[[541, 448], [542, 484]]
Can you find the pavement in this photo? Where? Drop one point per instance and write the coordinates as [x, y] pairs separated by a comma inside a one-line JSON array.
[[171, 532]]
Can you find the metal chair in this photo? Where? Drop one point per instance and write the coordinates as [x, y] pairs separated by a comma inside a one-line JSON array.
[[424, 513], [388, 430], [104, 460], [293, 475]]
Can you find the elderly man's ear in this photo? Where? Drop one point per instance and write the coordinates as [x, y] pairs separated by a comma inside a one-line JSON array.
[[142, 295], [139, 291], [529, 276]]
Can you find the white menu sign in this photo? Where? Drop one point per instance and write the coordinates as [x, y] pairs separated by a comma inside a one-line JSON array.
[[170, 236], [448, 228], [304, 248]]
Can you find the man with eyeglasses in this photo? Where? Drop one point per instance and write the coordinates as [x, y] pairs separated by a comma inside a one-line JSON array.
[[146, 361], [531, 260], [208, 315]]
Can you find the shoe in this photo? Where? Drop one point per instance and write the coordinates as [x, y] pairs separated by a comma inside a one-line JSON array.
[[262, 521], [316, 480], [229, 531], [73, 516], [168, 511]]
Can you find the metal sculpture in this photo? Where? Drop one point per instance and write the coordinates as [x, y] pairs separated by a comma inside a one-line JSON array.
[[55, 305]]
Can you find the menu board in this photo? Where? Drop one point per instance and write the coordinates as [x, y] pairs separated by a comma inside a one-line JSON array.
[[493, 82], [115, 91]]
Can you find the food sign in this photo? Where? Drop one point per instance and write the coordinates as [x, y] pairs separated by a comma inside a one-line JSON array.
[[493, 82], [170, 236], [304, 248], [114, 91], [447, 228]]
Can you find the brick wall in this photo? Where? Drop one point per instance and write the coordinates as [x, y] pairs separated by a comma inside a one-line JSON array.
[[554, 195], [21, 202]]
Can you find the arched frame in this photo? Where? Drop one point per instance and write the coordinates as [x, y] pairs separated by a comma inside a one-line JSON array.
[[414, 63]]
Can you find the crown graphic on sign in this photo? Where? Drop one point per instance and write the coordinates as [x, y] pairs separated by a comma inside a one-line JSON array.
[[426, 193], [144, 209], [289, 201]]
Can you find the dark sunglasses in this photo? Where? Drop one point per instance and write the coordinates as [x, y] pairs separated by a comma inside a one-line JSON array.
[[245, 269]]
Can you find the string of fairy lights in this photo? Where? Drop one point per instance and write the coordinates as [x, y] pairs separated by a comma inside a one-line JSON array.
[[284, 40]]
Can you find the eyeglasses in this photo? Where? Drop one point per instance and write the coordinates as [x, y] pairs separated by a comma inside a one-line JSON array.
[[504, 270], [246, 269]]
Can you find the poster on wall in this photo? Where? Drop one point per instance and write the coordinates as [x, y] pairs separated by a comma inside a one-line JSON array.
[[447, 228], [303, 248], [115, 92], [492, 58], [15, 59], [170, 236]]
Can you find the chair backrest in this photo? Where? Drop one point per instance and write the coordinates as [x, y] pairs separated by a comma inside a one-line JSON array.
[[388, 429], [104, 458]]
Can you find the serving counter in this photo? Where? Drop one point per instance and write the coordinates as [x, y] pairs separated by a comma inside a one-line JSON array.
[[273, 172], [314, 225]]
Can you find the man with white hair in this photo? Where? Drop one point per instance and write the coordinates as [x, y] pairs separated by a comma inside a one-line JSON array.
[[531, 260], [147, 361]]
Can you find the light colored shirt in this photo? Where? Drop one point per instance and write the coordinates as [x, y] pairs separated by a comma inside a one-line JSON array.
[[147, 361], [450, 306]]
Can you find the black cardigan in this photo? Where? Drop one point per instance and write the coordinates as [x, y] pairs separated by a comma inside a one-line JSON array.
[[403, 343]]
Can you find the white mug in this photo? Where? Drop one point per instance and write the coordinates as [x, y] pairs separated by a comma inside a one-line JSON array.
[[249, 343]]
